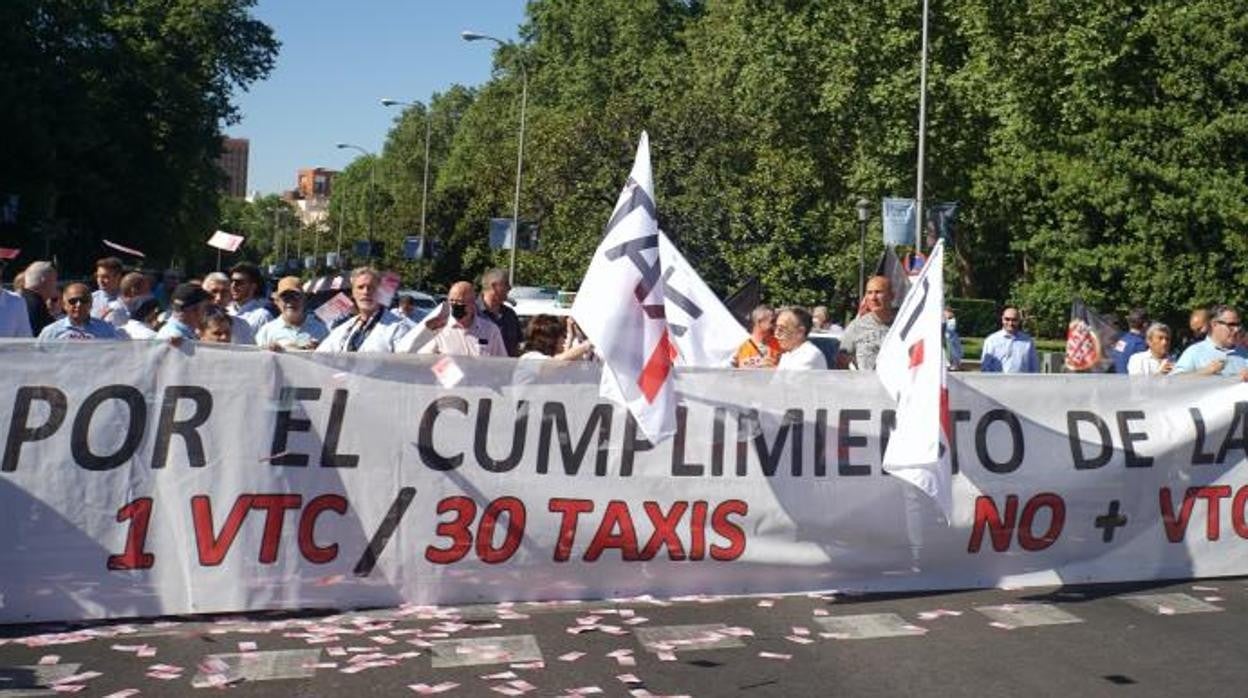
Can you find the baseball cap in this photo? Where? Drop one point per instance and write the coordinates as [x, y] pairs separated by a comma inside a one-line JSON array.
[[187, 295], [288, 283]]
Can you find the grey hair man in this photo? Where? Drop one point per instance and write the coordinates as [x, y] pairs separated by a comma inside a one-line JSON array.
[[495, 285], [371, 329], [218, 286], [40, 286]]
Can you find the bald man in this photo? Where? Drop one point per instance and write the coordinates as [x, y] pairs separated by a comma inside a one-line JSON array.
[[467, 333], [860, 344]]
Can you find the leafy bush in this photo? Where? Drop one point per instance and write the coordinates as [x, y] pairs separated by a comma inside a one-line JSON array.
[[977, 317]]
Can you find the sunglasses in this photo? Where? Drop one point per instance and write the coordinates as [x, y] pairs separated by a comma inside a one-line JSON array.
[[239, 280], [1234, 325], [290, 297], [1010, 319], [81, 300]]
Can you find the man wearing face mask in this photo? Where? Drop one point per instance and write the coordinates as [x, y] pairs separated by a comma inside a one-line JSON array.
[[467, 334]]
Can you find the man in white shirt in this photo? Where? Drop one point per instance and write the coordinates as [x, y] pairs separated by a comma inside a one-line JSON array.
[[142, 315], [792, 327], [106, 302], [14, 319], [468, 334], [295, 328], [372, 329], [218, 286], [246, 302]]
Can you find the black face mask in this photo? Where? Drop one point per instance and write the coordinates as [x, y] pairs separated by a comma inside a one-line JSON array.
[[459, 311]]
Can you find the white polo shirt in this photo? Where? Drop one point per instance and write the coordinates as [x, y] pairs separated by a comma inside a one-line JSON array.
[[481, 338]]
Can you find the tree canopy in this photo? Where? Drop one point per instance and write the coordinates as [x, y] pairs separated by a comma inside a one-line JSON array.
[[112, 119], [1095, 149]]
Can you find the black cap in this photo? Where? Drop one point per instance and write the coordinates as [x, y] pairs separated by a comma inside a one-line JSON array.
[[187, 295], [145, 309]]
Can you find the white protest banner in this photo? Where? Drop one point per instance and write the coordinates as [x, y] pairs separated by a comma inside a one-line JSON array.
[[334, 309], [142, 479], [225, 241], [620, 306], [912, 368]]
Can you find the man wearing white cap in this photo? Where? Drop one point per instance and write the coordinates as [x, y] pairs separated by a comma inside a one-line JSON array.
[[295, 328]]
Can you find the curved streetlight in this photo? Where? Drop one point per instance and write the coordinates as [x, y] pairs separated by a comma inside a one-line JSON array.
[[424, 185], [372, 182], [524, 98]]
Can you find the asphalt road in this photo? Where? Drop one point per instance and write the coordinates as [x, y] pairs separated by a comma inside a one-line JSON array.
[[1163, 639]]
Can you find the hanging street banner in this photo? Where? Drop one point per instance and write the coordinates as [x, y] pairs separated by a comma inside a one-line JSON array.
[[898, 219], [140, 479]]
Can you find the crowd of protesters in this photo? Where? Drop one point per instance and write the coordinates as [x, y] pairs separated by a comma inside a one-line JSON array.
[[234, 308]]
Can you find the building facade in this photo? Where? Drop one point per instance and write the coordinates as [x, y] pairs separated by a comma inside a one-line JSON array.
[[233, 162]]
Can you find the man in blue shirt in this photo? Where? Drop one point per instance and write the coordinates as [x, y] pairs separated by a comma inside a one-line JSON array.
[[1219, 354], [78, 323], [1009, 349], [1132, 341]]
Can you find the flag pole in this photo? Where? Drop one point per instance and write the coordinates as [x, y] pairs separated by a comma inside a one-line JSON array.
[[918, 196]]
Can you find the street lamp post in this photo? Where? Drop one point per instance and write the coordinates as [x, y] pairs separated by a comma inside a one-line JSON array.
[[424, 185], [372, 183], [524, 98], [864, 214]]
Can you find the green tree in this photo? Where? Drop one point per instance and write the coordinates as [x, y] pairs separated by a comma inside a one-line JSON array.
[[113, 116]]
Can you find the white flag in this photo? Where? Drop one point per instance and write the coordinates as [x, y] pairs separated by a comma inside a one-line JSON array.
[[620, 307], [912, 368], [701, 328]]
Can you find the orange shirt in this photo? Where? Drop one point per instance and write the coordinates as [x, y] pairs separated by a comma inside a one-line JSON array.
[[751, 355]]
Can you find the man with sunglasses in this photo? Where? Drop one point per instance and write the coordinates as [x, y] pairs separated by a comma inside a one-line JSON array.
[[295, 328], [1009, 349], [246, 302], [1219, 354], [78, 323]]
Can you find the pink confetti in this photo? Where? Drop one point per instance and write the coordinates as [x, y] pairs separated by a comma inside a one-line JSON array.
[[123, 693], [507, 690], [522, 685], [528, 665], [799, 630], [799, 639], [68, 688], [1003, 626], [77, 678], [1165, 610], [666, 656], [48, 659], [766, 603], [500, 676], [571, 656], [775, 655], [146, 651], [426, 689], [628, 678], [247, 646]]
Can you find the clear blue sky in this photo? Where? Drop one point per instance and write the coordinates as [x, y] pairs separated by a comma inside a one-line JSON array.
[[339, 57]]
